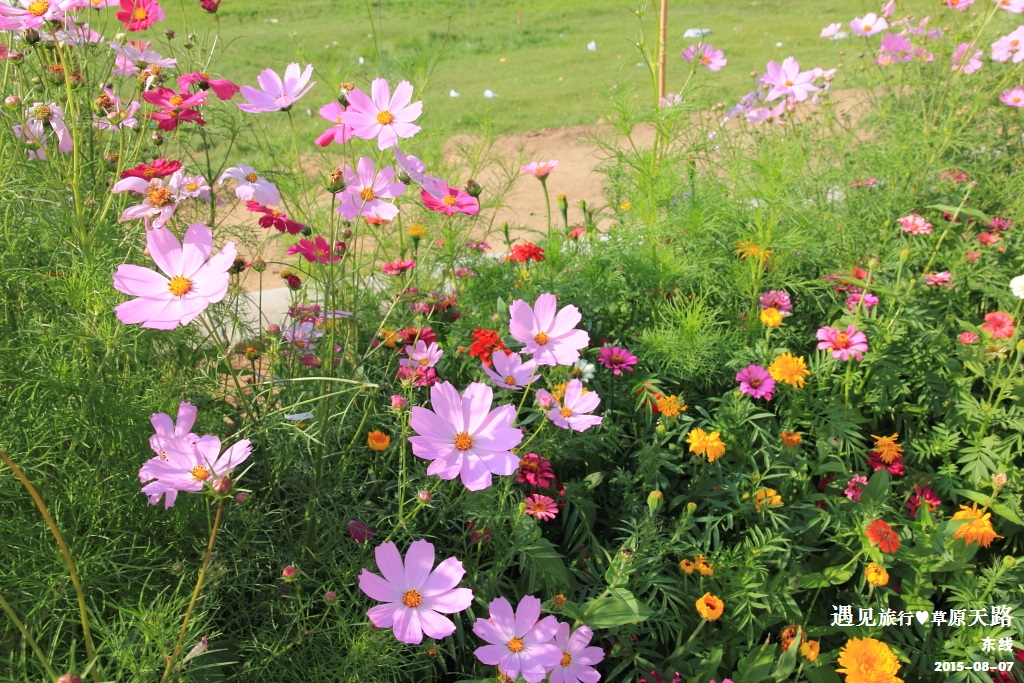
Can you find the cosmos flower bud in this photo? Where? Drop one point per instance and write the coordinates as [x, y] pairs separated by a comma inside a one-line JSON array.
[[330, 597], [473, 188], [258, 264], [30, 36], [12, 101], [398, 402], [273, 329], [336, 181], [289, 572], [158, 139], [223, 484], [241, 497], [425, 496], [69, 678], [169, 33]]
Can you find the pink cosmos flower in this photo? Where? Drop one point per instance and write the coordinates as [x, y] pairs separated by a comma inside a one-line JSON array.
[[221, 87], [895, 48], [616, 359], [160, 199], [535, 470], [671, 99], [302, 335], [252, 187], [41, 117], [788, 81], [277, 94], [422, 355], [963, 62], [539, 169], [1013, 97], [135, 55], [541, 507], [868, 25], [1012, 6], [943, 279], [166, 430], [756, 382], [707, 55], [843, 344], [915, 225], [382, 115], [318, 251], [922, 495], [551, 338], [867, 299], [272, 218], [340, 132], [464, 437], [777, 299], [138, 15], [191, 283], [520, 643], [115, 116], [415, 594], [1011, 45], [967, 338], [961, 5], [998, 325], [397, 267], [33, 14], [571, 414], [190, 467], [578, 660], [889, 8], [831, 31], [464, 273], [855, 487], [510, 372], [359, 532], [365, 191], [168, 99], [453, 201], [414, 168]]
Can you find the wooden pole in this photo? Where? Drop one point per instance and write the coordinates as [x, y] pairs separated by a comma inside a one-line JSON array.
[[662, 47]]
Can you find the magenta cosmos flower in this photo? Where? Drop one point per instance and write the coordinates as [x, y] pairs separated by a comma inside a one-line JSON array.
[[539, 169], [541, 507], [510, 372], [571, 413], [788, 81], [138, 15], [190, 467], [843, 344], [252, 187], [616, 359], [549, 334], [756, 382], [318, 251], [277, 94], [416, 594], [578, 660], [707, 55], [1013, 97], [33, 13], [520, 642], [190, 284], [365, 192], [222, 88], [340, 132], [464, 437], [422, 355], [451, 201], [383, 116]]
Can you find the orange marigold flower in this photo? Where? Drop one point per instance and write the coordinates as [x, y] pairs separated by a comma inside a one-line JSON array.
[[378, 440], [788, 635], [866, 660], [686, 566], [789, 369], [887, 449], [670, 406], [766, 497], [710, 607], [881, 534], [876, 574], [747, 249], [701, 564], [791, 439], [978, 529], [810, 650]]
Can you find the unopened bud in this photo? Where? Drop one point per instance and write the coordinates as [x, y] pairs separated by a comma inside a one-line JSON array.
[[273, 329], [177, 567], [563, 203], [691, 508], [306, 231], [330, 597], [12, 101], [158, 139], [30, 36], [289, 572], [222, 485], [655, 499], [258, 264], [169, 33], [241, 497], [398, 402], [1009, 561], [336, 181], [425, 496], [346, 233], [69, 678], [473, 188]]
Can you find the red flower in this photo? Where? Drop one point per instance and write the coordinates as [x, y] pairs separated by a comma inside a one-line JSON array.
[[210, 5], [894, 468], [272, 218], [524, 252], [410, 335], [161, 168], [485, 342], [880, 533], [138, 15]]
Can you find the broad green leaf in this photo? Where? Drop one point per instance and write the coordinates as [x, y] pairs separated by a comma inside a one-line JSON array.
[[617, 608], [757, 666]]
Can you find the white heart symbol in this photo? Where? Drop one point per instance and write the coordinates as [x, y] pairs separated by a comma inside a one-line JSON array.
[[921, 615]]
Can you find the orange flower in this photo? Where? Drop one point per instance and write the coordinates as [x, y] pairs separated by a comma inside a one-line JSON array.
[[670, 406], [791, 439], [686, 566], [766, 497], [788, 635], [771, 317], [887, 449], [880, 533], [702, 443], [876, 574], [810, 650], [701, 564], [747, 249], [710, 607], [378, 440], [387, 338], [790, 369], [979, 529], [866, 660]]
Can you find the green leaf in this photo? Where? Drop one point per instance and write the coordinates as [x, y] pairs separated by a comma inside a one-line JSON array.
[[822, 674], [787, 662], [756, 666], [617, 608], [1006, 512], [543, 555], [877, 488]]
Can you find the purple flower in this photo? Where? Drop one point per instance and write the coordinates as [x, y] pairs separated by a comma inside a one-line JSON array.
[[756, 381], [707, 55], [416, 594], [519, 643], [855, 487], [382, 115], [359, 532], [866, 298], [510, 372], [277, 95], [464, 437], [365, 190], [186, 466], [787, 80], [576, 665], [616, 359], [777, 299], [550, 337], [571, 414]]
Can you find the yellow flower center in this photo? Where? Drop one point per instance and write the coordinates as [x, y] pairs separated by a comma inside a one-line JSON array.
[[566, 412], [616, 359], [204, 75], [789, 84], [43, 113], [510, 380], [38, 8], [515, 645], [251, 177], [412, 598], [200, 473], [424, 361], [139, 14], [180, 286], [192, 187], [868, 27], [367, 194], [541, 338], [159, 197], [566, 659], [448, 200], [385, 118], [842, 340], [463, 441], [176, 100]]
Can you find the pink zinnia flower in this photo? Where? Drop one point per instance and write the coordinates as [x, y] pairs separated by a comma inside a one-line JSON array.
[[190, 467], [252, 187], [868, 25], [277, 94], [359, 532], [788, 81], [1000, 224], [191, 283], [416, 594], [1013, 97], [422, 355], [222, 88], [914, 224], [382, 115], [998, 325], [577, 663], [510, 372], [756, 381], [397, 267], [616, 359], [317, 251], [923, 495], [972, 256], [777, 299], [571, 414], [535, 470], [541, 507], [989, 238], [417, 376], [843, 344], [867, 299], [539, 169], [453, 201], [365, 192], [549, 336], [138, 15], [942, 279], [963, 62], [855, 487], [272, 218], [520, 642], [340, 132], [967, 338], [707, 55], [464, 437]]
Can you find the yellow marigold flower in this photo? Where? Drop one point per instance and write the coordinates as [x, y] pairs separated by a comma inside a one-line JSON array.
[[747, 249], [625, 206], [866, 660], [686, 566], [416, 231], [876, 574], [886, 448], [702, 443], [791, 439], [979, 529], [810, 650], [771, 317], [378, 440], [765, 497], [789, 369], [387, 338], [670, 406], [710, 607], [701, 564]]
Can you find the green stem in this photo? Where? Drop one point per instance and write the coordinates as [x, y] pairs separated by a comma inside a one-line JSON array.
[[547, 203], [28, 637]]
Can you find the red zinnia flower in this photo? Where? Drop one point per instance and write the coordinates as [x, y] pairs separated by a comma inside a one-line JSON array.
[[883, 535], [161, 168], [524, 252], [272, 218], [485, 342]]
